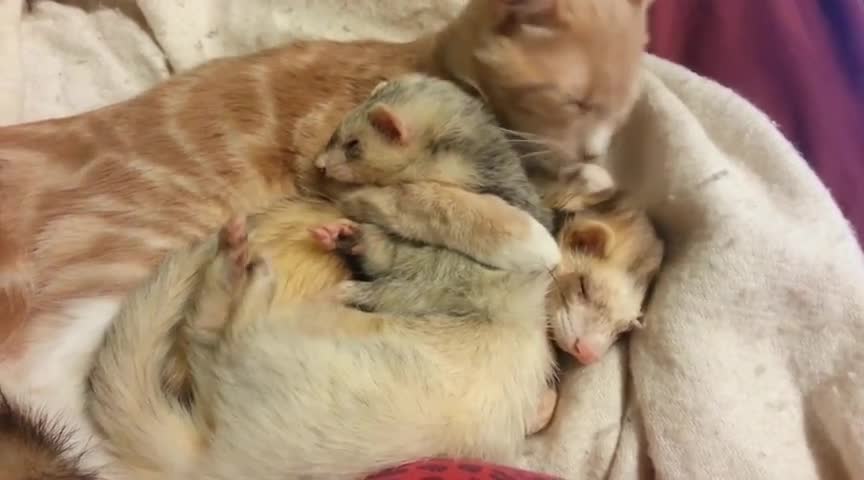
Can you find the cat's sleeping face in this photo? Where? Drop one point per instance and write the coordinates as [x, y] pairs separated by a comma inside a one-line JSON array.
[[565, 73]]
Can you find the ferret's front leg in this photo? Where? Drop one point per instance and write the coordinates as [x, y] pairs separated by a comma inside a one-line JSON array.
[[222, 278], [372, 246], [237, 287], [484, 227], [545, 411]]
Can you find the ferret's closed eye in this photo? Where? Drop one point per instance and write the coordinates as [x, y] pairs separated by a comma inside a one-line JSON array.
[[583, 287], [352, 149]]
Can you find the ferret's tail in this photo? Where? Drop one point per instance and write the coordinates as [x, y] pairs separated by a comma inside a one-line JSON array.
[[147, 430], [32, 445]]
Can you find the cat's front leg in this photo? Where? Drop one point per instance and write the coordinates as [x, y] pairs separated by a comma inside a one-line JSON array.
[[483, 227]]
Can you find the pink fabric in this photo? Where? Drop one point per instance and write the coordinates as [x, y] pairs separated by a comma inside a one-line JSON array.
[[800, 61]]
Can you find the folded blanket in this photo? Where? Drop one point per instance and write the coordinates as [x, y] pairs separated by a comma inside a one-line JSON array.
[[749, 367]]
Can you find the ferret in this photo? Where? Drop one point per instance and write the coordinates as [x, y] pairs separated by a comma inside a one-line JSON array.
[[451, 358], [611, 254], [34, 446], [417, 128]]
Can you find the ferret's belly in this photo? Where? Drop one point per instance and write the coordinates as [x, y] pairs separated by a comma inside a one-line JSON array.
[[329, 408]]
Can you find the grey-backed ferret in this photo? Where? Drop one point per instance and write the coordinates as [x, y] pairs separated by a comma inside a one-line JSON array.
[[317, 389]]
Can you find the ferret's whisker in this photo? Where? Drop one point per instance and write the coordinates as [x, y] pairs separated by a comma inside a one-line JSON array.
[[535, 154], [558, 288], [518, 133]]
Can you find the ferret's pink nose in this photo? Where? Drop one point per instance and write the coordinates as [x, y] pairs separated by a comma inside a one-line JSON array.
[[320, 163], [584, 352]]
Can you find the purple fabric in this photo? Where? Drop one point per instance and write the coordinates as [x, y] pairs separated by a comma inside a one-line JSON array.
[[800, 61]]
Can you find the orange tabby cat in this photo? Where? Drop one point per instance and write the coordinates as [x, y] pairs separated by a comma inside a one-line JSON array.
[[106, 194]]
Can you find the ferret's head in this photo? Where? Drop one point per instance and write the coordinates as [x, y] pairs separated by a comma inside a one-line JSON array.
[[564, 72], [412, 128], [609, 258]]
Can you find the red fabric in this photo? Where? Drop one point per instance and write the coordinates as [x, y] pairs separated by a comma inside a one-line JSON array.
[[800, 61], [457, 470]]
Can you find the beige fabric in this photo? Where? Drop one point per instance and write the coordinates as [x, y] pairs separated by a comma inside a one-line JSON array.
[[749, 367]]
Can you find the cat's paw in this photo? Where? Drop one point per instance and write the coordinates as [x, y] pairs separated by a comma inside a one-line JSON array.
[[529, 249], [581, 186], [342, 236]]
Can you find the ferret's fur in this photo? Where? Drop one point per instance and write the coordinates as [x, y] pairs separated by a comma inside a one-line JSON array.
[[416, 128], [453, 360], [611, 254], [36, 447], [315, 390]]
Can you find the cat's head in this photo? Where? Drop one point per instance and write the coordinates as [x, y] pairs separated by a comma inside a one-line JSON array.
[[563, 72]]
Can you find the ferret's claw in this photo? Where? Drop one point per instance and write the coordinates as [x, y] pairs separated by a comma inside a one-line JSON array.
[[337, 236], [234, 245]]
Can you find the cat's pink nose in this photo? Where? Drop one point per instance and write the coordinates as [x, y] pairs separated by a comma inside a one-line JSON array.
[[584, 352], [590, 157]]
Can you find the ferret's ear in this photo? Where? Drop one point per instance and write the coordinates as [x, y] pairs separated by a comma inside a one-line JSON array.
[[388, 123], [513, 14], [378, 88], [591, 238]]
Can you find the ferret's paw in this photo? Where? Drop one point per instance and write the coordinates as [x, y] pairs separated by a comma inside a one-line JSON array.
[[545, 411], [261, 284], [342, 293], [534, 251], [259, 266], [234, 246], [336, 235], [365, 203]]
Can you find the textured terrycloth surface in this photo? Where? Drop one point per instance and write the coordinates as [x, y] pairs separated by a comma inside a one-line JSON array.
[[750, 366]]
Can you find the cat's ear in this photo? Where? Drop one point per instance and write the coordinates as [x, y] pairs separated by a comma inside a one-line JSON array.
[[388, 123], [591, 238], [513, 14]]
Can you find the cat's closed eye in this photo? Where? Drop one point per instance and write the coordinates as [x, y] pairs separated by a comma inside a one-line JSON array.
[[580, 104]]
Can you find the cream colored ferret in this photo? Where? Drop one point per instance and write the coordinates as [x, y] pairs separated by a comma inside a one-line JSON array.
[[611, 254]]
